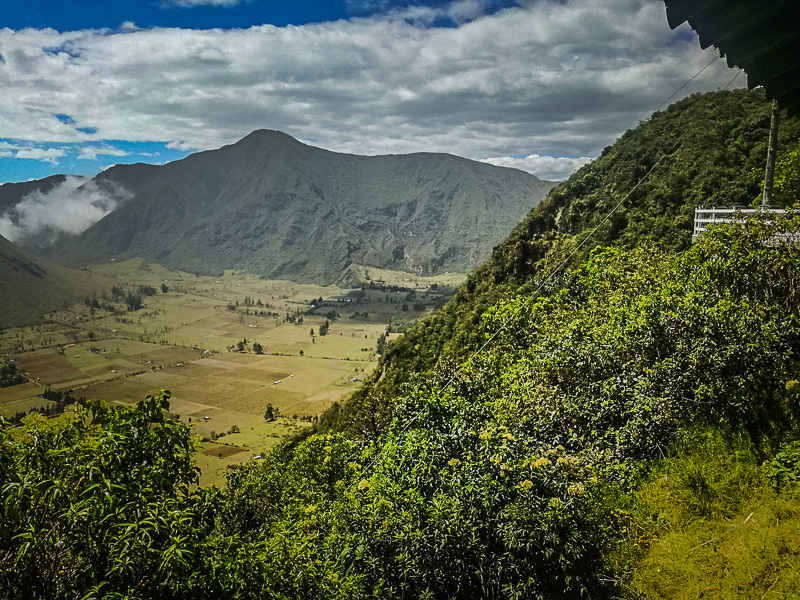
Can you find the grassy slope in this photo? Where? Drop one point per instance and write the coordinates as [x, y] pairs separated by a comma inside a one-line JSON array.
[[708, 524]]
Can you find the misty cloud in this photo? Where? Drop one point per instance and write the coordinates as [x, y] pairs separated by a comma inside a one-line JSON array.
[[39, 219]]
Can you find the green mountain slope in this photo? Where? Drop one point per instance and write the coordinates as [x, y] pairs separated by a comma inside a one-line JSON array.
[[32, 286], [703, 151], [632, 431], [276, 207]]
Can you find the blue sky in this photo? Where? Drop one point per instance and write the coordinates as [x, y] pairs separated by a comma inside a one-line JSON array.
[[202, 14], [98, 14], [541, 85]]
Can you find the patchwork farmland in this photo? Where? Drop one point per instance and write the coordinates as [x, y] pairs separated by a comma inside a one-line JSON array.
[[227, 348]]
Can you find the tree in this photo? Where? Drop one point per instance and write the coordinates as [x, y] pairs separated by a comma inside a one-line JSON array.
[[381, 346], [787, 178], [269, 414], [323, 329], [69, 501], [133, 301], [258, 348]]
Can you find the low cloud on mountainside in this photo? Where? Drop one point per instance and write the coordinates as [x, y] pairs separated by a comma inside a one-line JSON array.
[[541, 78], [71, 207]]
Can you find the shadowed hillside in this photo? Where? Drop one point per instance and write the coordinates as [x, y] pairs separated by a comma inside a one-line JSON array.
[[276, 207], [32, 287]]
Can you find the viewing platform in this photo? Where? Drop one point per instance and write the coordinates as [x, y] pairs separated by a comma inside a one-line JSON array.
[[715, 215]]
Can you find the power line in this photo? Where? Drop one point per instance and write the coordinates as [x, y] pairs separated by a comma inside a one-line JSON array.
[[739, 72], [685, 84]]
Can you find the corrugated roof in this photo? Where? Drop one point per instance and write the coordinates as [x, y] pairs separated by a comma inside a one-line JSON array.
[[759, 36]]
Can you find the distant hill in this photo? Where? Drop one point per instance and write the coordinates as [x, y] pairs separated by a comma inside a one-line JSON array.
[[32, 287], [276, 207]]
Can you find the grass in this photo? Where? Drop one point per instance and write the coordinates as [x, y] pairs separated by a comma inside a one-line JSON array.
[[708, 523], [15, 393]]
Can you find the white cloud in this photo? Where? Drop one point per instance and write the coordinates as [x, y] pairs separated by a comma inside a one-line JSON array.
[[552, 78], [180, 145], [71, 207], [30, 152], [552, 168], [50, 155], [92, 152]]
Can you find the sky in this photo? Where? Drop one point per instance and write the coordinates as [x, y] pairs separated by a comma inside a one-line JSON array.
[[540, 85]]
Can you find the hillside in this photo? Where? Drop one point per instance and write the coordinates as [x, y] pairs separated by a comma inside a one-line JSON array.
[[632, 434], [32, 286], [712, 149], [275, 207]]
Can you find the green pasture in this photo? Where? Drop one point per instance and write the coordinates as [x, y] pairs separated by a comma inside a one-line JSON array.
[[237, 448], [403, 279], [15, 393]]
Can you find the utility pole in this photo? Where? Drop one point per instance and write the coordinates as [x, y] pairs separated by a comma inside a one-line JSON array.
[[769, 174]]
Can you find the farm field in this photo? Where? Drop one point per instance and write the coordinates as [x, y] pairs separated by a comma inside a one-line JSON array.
[[226, 347]]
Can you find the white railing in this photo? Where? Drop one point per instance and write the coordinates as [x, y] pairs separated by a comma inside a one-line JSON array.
[[714, 215]]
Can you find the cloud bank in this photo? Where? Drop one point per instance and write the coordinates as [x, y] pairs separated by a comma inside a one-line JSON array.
[[552, 168], [71, 207], [545, 78]]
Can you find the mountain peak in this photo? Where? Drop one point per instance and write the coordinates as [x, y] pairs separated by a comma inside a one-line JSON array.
[[270, 137], [274, 206]]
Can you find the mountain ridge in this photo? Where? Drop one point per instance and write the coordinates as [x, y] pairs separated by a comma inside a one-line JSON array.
[[280, 208], [718, 144]]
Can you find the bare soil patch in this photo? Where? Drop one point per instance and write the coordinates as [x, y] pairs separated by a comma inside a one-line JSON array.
[[49, 367]]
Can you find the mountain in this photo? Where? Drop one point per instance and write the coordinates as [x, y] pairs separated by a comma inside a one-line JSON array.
[[627, 427], [274, 206], [12, 193], [33, 286]]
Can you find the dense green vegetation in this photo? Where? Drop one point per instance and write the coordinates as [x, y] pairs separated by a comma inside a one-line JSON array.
[[706, 150], [631, 430], [538, 472]]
